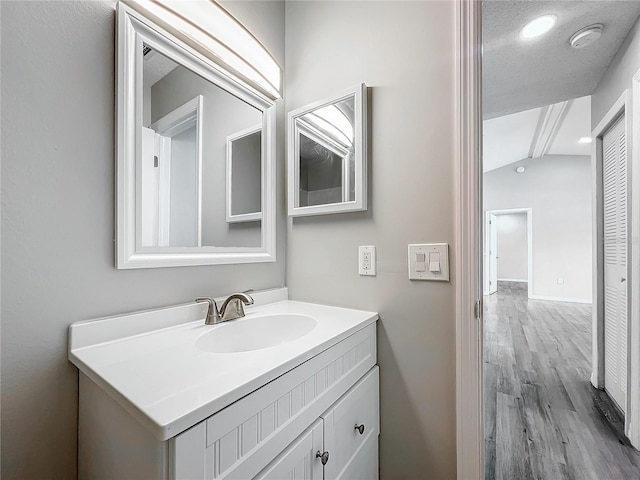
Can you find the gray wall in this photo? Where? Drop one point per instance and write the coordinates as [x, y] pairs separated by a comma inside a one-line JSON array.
[[246, 178], [512, 247], [618, 76], [404, 51], [223, 115], [558, 189], [58, 218]]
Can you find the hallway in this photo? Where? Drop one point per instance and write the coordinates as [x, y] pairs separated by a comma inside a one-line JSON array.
[[540, 418]]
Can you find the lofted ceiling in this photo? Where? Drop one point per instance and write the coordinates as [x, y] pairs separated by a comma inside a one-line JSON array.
[[551, 130], [519, 75]]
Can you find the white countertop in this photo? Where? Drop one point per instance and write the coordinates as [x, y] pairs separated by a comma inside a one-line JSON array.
[[166, 383]]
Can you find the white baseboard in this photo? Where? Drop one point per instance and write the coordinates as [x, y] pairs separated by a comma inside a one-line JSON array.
[[560, 299], [520, 280]]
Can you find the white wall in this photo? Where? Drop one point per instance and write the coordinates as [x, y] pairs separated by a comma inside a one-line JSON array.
[[58, 218], [558, 189], [405, 52], [512, 247], [618, 76]]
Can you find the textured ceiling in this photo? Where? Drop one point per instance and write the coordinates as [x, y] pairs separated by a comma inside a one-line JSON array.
[[520, 75], [156, 67], [513, 137]]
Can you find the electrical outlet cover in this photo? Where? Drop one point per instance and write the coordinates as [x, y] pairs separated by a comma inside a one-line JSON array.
[[367, 260]]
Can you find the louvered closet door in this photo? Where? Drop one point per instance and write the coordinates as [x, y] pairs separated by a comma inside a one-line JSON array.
[[614, 148]]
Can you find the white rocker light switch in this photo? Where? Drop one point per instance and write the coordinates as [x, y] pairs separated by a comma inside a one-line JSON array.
[[429, 261]]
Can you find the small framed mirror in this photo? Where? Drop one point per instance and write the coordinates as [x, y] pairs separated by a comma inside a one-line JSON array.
[[243, 175], [195, 158], [327, 155]]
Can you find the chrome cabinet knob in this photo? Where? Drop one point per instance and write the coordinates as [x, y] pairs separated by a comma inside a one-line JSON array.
[[360, 428], [324, 457]]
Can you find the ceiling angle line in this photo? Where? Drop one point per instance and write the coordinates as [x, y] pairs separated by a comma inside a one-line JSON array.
[[549, 123], [544, 113]]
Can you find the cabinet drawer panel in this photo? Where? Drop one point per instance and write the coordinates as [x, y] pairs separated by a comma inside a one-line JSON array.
[[346, 445], [298, 461], [244, 437]]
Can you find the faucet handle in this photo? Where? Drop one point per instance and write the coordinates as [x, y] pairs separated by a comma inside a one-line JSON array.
[[209, 300], [212, 312]]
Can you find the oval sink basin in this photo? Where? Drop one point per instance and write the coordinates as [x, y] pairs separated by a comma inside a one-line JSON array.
[[255, 333]]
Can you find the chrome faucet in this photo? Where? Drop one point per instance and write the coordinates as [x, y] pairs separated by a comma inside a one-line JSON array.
[[232, 307]]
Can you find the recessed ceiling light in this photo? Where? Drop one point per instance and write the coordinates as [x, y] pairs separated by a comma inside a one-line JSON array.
[[520, 169], [585, 140], [538, 26]]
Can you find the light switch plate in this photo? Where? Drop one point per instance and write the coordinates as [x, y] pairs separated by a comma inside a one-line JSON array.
[[434, 254], [367, 260]]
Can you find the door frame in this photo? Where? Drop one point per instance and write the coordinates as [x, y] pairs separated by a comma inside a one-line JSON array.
[[187, 115], [633, 418], [468, 239], [487, 238], [629, 105], [512, 211], [622, 106]]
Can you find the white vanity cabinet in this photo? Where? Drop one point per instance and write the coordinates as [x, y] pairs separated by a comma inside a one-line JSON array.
[[349, 453], [241, 440], [274, 432]]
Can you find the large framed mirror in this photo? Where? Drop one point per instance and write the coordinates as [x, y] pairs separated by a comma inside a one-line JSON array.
[[327, 155], [177, 113]]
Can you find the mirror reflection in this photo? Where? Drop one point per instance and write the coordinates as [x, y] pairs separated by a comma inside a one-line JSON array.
[[327, 155], [243, 175], [187, 123], [325, 139]]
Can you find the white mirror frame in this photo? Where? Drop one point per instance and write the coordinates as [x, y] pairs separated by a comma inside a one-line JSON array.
[[359, 92], [239, 217], [133, 29]]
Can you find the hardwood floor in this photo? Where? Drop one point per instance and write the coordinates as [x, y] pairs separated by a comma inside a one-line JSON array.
[[540, 418]]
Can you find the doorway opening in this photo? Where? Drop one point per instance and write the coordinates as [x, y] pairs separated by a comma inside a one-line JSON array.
[[508, 250], [556, 338]]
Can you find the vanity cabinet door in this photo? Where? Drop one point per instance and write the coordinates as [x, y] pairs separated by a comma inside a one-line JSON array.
[[351, 429], [298, 461]]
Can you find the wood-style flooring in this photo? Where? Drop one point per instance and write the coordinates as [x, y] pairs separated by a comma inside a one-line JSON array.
[[540, 418]]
